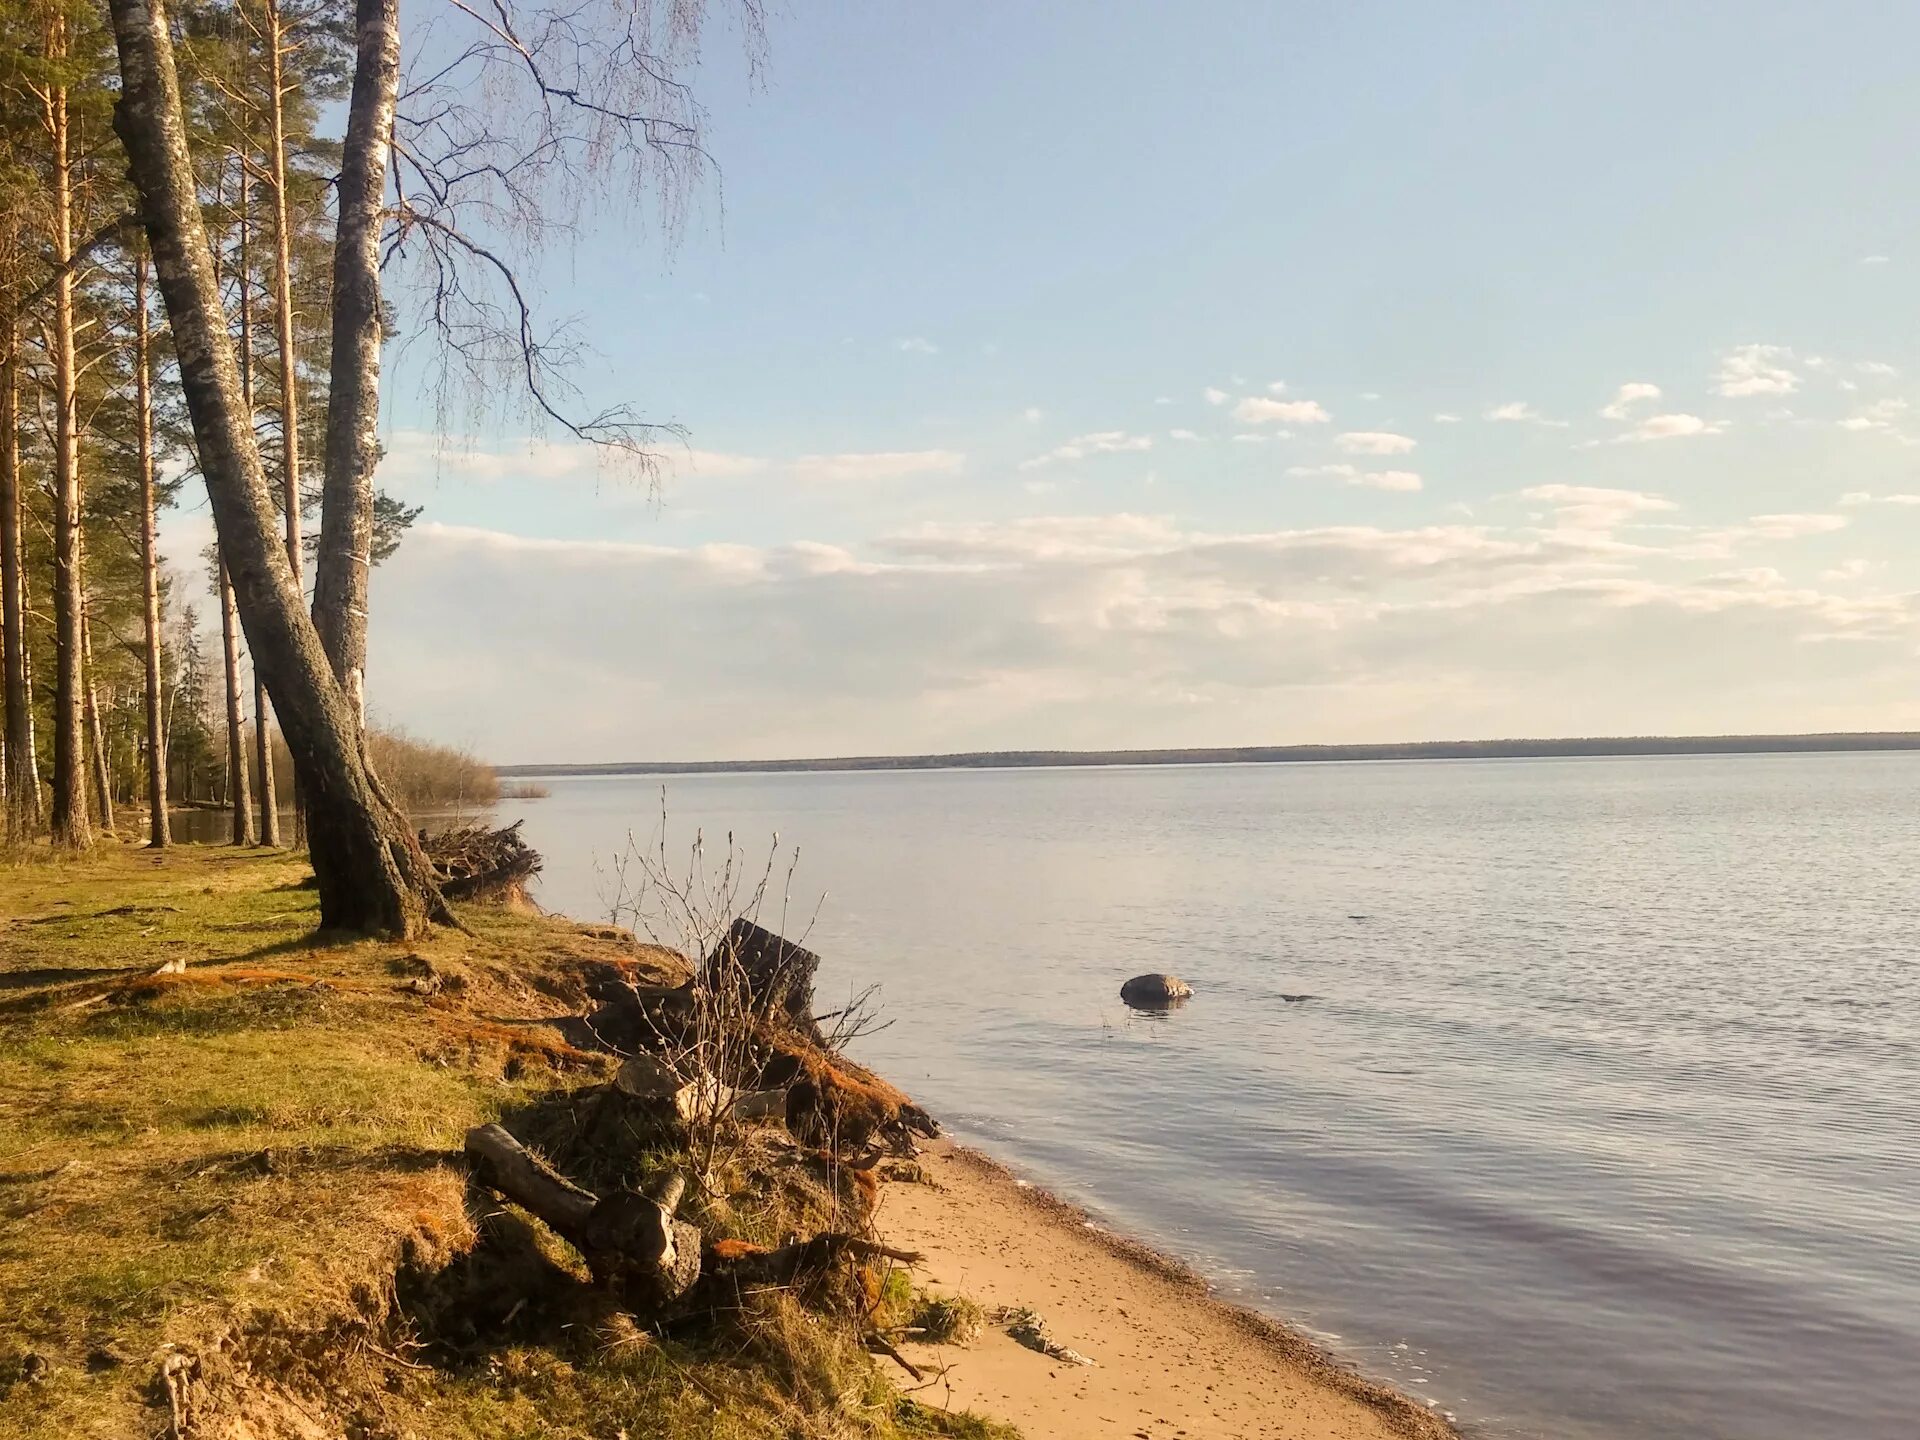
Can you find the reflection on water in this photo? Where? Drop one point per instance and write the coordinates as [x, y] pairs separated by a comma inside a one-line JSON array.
[[1578, 1095]]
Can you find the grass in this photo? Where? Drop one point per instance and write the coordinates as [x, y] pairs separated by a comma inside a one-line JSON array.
[[253, 1165]]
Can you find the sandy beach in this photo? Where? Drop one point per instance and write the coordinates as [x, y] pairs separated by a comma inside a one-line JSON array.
[[1170, 1361]]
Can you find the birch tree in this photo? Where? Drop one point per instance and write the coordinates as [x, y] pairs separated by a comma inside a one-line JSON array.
[[370, 872]]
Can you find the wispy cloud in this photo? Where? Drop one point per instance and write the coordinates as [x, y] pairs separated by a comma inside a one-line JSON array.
[[916, 345], [1374, 442], [866, 466], [1627, 396], [1100, 442], [1404, 481], [1258, 410], [1756, 370], [1214, 396], [1669, 427], [1596, 507], [1520, 412]]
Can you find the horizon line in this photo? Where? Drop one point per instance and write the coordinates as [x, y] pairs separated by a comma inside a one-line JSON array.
[[1512, 748]]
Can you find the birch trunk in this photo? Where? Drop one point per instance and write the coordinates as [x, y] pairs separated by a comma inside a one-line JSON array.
[[159, 829], [353, 401], [370, 872], [237, 800]]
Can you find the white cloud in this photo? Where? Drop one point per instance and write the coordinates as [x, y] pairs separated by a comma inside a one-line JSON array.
[[1877, 368], [1519, 411], [1374, 442], [1248, 437], [1101, 442], [1277, 387], [916, 345], [858, 467], [1443, 418], [1399, 480], [1183, 435], [1789, 527], [1215, 396], [1033, 414], [1862, 497], [1627, 396], [1853, 570], [1670, 427], [1594, 507], [1257, 410], [1756, 370], [1875, 259], [1878, 416], [1111, 630]]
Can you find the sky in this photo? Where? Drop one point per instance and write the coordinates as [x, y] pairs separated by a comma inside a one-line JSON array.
[[1124, 374]]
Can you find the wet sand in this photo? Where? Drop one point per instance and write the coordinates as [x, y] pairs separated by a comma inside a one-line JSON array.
[[1171, 1362]]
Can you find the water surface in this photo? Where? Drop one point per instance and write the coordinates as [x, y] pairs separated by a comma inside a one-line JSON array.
[[1601, 1121]]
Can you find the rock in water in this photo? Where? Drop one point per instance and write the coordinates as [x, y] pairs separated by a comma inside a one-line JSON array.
[[1155, 992]]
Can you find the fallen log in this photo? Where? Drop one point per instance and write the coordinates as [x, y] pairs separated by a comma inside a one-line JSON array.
[[803, 1266], [631, 1242], [655, 1084]]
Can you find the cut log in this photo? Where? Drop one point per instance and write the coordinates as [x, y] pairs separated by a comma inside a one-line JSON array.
[[651, 1081], [631, 1242]]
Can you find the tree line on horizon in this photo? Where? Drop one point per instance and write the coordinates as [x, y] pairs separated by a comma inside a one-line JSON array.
[[197, 286]]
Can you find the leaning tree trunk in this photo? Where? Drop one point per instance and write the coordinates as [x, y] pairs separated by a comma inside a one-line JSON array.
[[370, 872], [237, 801], [71, 829], [353, 398], [23, 779], [159, 831]]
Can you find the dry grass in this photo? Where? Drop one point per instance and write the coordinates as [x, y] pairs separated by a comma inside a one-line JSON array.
[[255, 1162]]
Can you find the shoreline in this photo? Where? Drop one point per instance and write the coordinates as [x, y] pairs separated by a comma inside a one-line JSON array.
[[1207, 1368]]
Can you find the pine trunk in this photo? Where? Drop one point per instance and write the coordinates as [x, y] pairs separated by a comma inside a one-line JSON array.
[[353, 398], [159, 829], [96, 732], [283, 314], [23, 779], [265, 791], [370, 872], [71, 829]]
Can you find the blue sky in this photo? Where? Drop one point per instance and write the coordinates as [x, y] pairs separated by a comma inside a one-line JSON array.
[[1131, 374]]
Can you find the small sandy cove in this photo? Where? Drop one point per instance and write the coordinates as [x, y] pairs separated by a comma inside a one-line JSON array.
[[1171, 1362]]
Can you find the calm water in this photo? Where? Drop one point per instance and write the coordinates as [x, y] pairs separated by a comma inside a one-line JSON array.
[[1602, 1121]]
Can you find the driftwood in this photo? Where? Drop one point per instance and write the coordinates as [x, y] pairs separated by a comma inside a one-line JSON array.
[[652, 1082], [632, 1243], [801, 1266], [471, 862]]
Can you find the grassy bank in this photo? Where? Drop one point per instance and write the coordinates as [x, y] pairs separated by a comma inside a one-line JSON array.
[[232, 1201]]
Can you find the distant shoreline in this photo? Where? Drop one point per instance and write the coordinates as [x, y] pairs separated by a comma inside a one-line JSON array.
[[1543, 749]]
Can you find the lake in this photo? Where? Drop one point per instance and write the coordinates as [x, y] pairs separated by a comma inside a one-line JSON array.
[[1601, 1119]]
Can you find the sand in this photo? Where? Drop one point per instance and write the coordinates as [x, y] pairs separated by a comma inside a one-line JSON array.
[[1171, 1361]]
